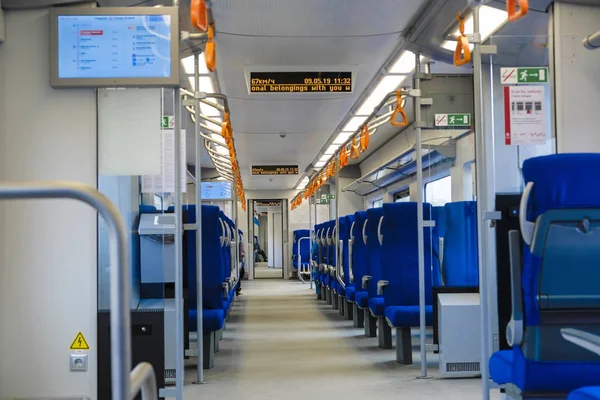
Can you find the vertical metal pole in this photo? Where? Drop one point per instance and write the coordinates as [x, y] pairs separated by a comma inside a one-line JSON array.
[[337, 219], [481, 166], [236, 236], [200, 329], [179, 368], [421, 244]]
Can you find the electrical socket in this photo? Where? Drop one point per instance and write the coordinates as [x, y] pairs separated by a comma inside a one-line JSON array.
[[79, 362]]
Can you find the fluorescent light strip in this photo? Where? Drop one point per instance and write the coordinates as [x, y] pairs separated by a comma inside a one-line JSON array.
[[342, 137], [491, 19], [320, 164], [387, 84], [331, 150], [354, 123]]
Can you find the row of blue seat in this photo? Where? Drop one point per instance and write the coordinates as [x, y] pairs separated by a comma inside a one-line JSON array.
[[377, 282], [219, 279]]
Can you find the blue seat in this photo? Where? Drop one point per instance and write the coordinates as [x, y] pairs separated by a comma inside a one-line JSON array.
[[346, 308], [460, 264], [360, 262], [373, 272], [557, 277], [304, 254], [439, 216], [586, 393], [400, 263]]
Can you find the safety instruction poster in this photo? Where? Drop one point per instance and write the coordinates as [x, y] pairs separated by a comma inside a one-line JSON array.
[[524, 115], [165, 183]]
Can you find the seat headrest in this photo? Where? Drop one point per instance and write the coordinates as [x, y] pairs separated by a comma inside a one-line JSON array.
[[562, 181]]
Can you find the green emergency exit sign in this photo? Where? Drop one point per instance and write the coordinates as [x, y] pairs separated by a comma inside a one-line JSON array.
[[167, 122], [462, 119], [515, 76]]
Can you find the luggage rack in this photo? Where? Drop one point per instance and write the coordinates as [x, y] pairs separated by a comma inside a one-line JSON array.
[[126, 384]]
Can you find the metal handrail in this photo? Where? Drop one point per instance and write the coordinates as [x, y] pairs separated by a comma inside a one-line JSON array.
[[122, 380], [339, 264]]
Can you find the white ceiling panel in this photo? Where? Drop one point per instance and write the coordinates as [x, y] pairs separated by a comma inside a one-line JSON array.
[[313, 17]]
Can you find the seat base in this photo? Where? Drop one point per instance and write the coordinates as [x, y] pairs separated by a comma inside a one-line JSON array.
[[208, 339], [348, 310], [384, 334], [358, 320], [370, 323], [341, 305], [403, 346]]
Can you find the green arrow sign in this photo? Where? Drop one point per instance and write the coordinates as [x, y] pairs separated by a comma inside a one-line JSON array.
[[463, 119], [515, 76], [167, 122], [331, 197]]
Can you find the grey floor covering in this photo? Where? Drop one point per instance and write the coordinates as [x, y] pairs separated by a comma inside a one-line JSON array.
[[282, 344]]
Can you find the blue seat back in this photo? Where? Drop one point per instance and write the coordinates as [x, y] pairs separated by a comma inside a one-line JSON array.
[[374, 249], [460, 265], [560, 273], [345, 225], [360, 259], [400, 256], [304, 246]]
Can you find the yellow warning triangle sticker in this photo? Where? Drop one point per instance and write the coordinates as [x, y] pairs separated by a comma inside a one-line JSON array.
[[79, 343]]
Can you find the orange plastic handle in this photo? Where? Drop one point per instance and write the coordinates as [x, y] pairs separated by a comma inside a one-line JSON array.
[[354, 153], [198, 15], [399, 110], [511, 9], [343, 159], [462, 54], [211, 50], [226, 131], [364, 138]]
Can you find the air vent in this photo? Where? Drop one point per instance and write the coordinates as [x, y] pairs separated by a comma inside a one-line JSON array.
[[170, 374], [463, 367]]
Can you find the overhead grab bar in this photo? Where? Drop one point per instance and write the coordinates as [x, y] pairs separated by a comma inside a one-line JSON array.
[[462, 53], [123, 380], [511, 9], [592, 41]]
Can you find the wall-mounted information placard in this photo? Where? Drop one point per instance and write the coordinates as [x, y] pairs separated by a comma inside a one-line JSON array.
[[274, 170], [300, 82]]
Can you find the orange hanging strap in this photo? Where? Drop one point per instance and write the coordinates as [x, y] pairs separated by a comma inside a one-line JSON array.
[[364, 138], [511, 9], [198, 15], [343, 157], [210, 50], [399, 110], [462, 53], [354, 153]]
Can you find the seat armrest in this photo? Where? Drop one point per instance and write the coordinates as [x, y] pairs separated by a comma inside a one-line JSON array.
[[514, 329], [365, 281], [225, 287], [587, 340], [381, 285]]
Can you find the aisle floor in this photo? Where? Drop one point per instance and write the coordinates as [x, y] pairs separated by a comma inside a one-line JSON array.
[[282, 343]]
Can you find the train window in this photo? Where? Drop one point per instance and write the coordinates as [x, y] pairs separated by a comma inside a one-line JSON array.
[[439, 192], [402, 197], [377, 203]]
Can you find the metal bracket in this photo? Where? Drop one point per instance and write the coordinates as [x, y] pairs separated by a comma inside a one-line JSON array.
[[423, 76], [492, 215], [191, 352], [430, 348], [412, 92], [189, 227], [423, 124], [489, 49], [426, 101], [428, 224], [189, 102]]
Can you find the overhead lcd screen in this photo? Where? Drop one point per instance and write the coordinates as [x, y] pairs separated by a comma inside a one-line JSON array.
[[300, 82], [215, 190], [114, 47]]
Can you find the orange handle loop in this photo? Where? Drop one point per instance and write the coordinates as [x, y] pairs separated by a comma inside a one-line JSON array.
[[210, 50], [198, 15], [511, 9], [364, 138], [354, 153], [399, 110], [462, 53], [343, 157]]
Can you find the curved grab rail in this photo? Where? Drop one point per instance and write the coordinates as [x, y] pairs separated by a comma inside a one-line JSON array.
[[526, 226], [327, 237], [338, 265], [300, 271], [120, 285], [224, 235], [350, 244], [143, 380], [511, 9], [379, 235], [364, 231]]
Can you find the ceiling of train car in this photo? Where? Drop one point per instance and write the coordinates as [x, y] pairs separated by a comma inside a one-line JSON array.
[[271, 34]]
